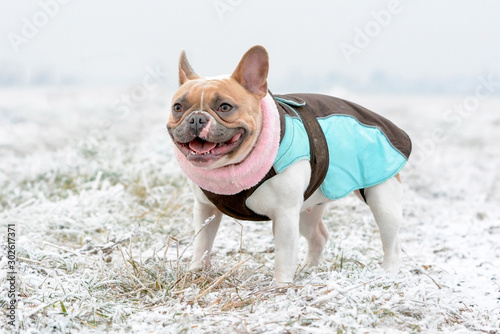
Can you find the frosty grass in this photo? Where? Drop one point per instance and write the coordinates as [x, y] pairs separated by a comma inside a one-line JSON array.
[[104, 234]]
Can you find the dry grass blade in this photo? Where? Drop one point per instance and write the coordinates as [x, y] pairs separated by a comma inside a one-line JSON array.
[[207, 290]]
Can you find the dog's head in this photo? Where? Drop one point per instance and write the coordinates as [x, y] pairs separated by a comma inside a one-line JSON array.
[[215, 122]]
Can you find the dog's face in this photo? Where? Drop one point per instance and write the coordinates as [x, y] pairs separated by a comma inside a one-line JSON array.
[[215, 122]]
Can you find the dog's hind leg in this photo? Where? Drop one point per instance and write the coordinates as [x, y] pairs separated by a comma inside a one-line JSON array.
[[312, 228], [384, 201]]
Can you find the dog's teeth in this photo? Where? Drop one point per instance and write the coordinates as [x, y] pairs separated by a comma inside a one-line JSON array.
[[195, 153]]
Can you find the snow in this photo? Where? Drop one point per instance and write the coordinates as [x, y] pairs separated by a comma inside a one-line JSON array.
[[102, 216]]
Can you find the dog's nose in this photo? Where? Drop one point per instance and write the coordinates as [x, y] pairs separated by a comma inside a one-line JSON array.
[[197, 123]]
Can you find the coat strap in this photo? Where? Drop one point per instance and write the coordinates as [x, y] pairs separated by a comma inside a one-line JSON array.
[[319, 158]]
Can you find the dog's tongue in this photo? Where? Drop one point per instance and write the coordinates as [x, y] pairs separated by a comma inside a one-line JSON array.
[[201, 146]]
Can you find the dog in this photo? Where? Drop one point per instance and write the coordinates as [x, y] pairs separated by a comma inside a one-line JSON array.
[[253, 155]]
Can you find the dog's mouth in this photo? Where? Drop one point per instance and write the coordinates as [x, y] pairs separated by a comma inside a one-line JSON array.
[[202, 153]]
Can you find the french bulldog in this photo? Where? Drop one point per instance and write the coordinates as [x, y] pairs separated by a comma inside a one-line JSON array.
[[256, 156]]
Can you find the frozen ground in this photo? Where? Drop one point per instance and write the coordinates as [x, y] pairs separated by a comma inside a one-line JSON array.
[[103, 229]]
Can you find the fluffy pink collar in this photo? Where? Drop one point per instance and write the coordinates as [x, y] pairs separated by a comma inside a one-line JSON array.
[[232, 179]]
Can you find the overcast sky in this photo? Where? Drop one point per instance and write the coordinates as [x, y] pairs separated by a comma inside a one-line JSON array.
[[99, 39]]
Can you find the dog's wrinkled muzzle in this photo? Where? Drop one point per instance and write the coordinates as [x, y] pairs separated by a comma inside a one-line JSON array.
[[203, 140]]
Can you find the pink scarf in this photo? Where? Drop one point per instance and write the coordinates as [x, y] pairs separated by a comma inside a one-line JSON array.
[[232, 179]]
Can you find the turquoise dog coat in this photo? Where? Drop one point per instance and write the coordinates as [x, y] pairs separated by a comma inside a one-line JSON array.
[[349, 148]]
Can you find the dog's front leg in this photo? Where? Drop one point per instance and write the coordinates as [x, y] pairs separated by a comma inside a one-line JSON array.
[[286, 238], [206, 219], [281, 199]]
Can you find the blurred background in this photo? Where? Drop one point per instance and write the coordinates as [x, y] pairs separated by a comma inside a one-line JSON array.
[[383, 46]]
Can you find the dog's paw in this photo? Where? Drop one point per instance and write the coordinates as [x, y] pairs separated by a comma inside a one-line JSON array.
[[201, 264], [195, 267], [392, 265], [309, 263], [280, 286]]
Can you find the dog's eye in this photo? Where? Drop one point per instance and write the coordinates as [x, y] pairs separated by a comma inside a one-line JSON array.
[[177, 107], [225, 107]]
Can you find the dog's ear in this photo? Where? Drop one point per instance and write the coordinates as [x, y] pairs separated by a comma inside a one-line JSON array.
[[252, 70], [186, 72]]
